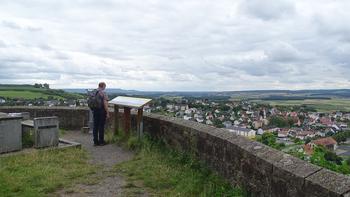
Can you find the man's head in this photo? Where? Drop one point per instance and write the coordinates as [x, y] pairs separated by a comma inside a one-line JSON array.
[[102, 85]]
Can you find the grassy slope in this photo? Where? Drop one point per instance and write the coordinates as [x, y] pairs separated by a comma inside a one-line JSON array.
[[29, 92], [25, 94], [320, 105], [42, 172]]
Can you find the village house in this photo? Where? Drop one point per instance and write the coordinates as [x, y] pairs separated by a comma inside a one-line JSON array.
[[284, 133], [260, 131], [326, 121], [249, 133], [346, 116], [147, 109], [208, 122], [227, 124], [321, 133], [2, 100], [305, 134], [170, 106], [258, 124], [328, 142], [186, 117]]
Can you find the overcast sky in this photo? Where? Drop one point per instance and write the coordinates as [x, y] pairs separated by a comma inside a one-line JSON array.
[[176, 45]]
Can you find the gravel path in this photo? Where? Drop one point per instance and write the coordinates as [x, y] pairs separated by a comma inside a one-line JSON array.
[[107, 183]]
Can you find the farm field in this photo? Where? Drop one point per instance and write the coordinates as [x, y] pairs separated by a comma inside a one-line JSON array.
[[30, 92], [321, 105], [25, 94]]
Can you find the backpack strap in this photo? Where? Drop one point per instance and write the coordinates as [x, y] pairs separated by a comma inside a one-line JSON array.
[[97, 91]]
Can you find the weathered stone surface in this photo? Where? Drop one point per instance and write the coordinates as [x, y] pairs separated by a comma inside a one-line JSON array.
[[10, 134], [46, 132], [327, 183], [289, 174]]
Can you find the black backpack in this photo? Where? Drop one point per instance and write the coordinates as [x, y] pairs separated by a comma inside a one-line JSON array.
[[94, 99]]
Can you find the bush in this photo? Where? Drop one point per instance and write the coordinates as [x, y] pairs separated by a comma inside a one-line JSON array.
[[341, 136], [330, 156], [348, 161], [268, 139]]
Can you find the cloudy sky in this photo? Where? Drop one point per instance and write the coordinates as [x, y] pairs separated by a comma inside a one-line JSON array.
[[176, 45]]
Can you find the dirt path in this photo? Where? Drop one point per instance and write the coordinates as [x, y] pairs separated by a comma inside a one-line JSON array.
[[106, 183]]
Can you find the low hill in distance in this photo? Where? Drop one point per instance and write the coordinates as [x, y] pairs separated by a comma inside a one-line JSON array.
[[321, 100], [248, 95], [37, 91]]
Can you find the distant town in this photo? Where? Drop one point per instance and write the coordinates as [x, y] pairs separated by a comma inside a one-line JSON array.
[[298, 130]]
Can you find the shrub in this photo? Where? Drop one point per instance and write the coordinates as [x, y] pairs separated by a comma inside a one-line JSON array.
[[330, 156]]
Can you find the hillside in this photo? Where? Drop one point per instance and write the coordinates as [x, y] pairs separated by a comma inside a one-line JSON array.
[[9, 91]]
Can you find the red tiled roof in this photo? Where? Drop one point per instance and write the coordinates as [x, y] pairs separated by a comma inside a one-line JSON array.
[[325, 141]]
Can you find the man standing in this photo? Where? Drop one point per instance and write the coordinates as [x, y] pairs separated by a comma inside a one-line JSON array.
[[100, 113]]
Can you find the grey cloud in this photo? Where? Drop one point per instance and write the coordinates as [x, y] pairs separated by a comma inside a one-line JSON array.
[[282, 52], [2, 44], [15, 26], [10, 24], [268, 9]]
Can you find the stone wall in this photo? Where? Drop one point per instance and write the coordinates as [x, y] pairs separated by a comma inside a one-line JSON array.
[[69, 118], [260, 169]]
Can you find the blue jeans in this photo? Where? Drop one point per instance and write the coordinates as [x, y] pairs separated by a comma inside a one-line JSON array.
[[99, 125]]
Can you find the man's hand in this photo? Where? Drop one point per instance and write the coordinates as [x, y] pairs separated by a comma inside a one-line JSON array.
[[107, 115]]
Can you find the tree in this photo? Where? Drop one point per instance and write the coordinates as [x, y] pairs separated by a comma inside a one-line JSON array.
[[218, 123], [37, 85], [308, 140], [224, 108], [46, 86], [290, 121], [342, 136], [268, 139], [278, 121]]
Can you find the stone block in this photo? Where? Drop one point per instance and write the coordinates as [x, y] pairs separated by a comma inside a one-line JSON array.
[[10, 134], [46, 132], [326, 183], [289, 174]]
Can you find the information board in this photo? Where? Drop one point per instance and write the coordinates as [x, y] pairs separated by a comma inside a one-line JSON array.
[[129, 101]]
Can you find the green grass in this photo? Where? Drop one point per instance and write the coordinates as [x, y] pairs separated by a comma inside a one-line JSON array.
[[30, 92], [20, 87], [164, 172], [41, 172], [320, 105], [15, 94]]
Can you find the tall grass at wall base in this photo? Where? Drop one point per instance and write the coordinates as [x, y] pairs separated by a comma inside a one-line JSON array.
[[162, 171]]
